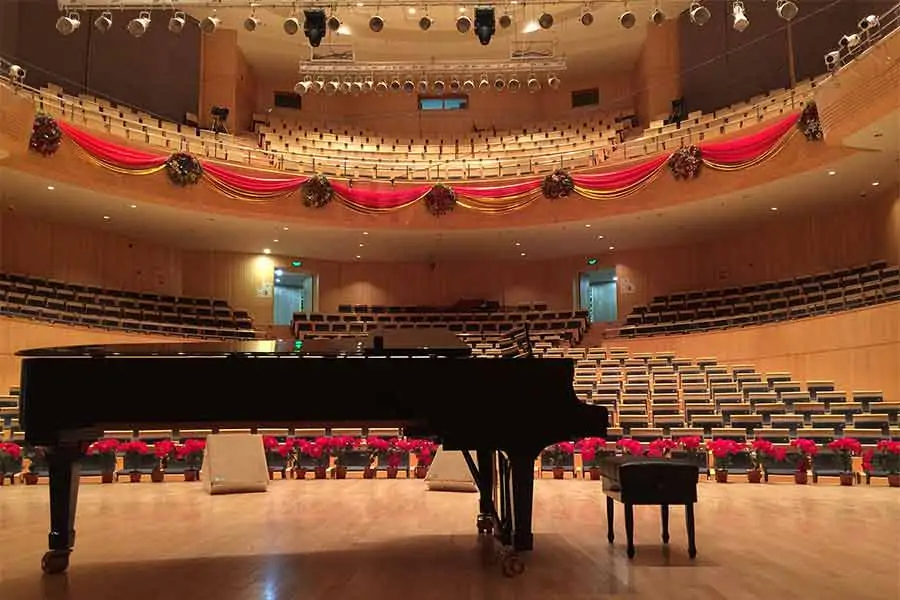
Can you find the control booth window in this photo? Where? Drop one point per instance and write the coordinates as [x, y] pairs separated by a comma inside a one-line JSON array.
[[429, 103]]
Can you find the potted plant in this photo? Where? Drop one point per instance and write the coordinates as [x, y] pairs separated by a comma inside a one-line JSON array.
[[845, 449], [630, 447], [133, 452], [340, 447], [592, 450], [887, 458], [277, 455], [722, 451], [806, 449], [424, 452], [661, 448], [105, 451], [317, 450], [377, 448], [163, 450], [190, 452], [555, 456], [394, 456], [35, 456], [761, 451], [10, 460]]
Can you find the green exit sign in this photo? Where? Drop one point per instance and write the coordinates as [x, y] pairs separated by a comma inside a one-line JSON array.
[[592, 261], [296, 263]]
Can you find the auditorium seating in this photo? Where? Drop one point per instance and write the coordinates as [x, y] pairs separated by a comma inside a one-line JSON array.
[[92, 306], [800, 297], [337, 150]]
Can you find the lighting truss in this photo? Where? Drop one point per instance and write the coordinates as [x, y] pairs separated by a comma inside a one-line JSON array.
[[553, 65], [75, 5]]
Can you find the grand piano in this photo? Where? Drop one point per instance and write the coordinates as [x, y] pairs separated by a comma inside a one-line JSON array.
[[425, 381]]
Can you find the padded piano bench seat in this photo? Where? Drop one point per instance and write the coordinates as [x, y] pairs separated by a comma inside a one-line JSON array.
[[637, 480]]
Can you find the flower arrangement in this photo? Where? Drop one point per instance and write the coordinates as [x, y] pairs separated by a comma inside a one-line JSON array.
[[685, 163], [690, 444], [761, 452], [556, 457], [845, 449], [46, 135], [885, 457], [35, 456], [184, 169], [591, 450], [378, 449], [424, 452], [10, 459], [163, 450], [723, 450], [133, 452], [810, 124], [317, 191], [316, 450], [557, 184], [190, 452], [630, 447], [339, 446], [105, 451], [661, 448], [277, 454], [440, 200], [806, 449]]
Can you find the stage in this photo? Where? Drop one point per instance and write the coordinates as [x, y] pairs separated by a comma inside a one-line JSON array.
[[374, 540]]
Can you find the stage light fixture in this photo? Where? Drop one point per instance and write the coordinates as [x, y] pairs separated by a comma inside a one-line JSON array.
[[833, 60], [251, 23], [176, 23], [485, 25], [17, 73], [484, 84], [376, 24], [381, 87], [463, 24], [103, 22], [741, 22], [210, 24], [869, 22], [344, 87], [333, 23], [291, 25], [368, 85], [468, 85], [408, 86], [356, 87], [425, 23], [455, 85], [700, 15], [850, 41], [587, 17], [553, 82], [140, 24], [395, 85], [627, 19], [302, 88], [499, 83], [545, 21], [422, 86], [318, 85], [657, 17], [314, 26], [513, 84], [505, 21], [68, 24], [332, 86], [533, 84], [786, 9], [438, 86]]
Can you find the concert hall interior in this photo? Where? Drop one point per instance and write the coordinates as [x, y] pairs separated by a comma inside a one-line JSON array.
[[352, 299]]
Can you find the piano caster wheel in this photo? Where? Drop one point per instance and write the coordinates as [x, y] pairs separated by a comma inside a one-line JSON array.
[[692, 552], [55, 561], [630, 552], [485, 525], [512, 565]]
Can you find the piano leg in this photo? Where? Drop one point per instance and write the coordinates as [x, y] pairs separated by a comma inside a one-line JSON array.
[[629, 529], [485, 475], [689, 521], [610, 519], [522, 475], [664, 513], [65, 471]]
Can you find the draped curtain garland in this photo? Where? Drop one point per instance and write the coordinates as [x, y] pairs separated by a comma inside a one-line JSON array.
[[731, 155]]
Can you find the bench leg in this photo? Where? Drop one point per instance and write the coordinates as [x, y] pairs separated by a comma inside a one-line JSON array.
[[610, 518], [629, 529], [689, 521], [664, 513]]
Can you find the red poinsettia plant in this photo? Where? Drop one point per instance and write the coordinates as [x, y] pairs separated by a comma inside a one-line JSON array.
[[884, 457], [276, 450], [845, 449], [10, 458], [763, 452], [424, 451], [105, 450], [398, 449], [806, 450], [592, 450], [556, 454], [690, 444], [340, 446], [316, 449], [163, 450], [630, 446], [723, 450], [378, 449], [191, 453], [661, 448], [133, 451]]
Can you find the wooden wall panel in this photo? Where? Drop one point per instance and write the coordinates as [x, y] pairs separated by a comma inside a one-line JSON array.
[[858, 349]]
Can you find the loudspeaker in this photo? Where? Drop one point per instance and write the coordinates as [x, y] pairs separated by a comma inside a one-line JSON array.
[[235, 463]]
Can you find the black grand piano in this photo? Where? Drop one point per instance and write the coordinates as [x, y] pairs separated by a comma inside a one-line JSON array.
[[425, 381]]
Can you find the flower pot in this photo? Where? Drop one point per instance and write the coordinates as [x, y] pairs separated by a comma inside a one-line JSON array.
[[801, 477], [721, 476], [2, 479], [157, 475], [754, 476], [191, 475], [894, 480], [321, 472], [107, 477], [340, 472], [846, 478], [299, 473], [421, 471], [594, 473], [392, 472], [271, 475], [31, 478], [135, 477], [368, 473], [558, 473]]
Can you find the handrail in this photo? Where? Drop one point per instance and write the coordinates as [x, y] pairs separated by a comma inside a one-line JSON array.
[[276, 161]]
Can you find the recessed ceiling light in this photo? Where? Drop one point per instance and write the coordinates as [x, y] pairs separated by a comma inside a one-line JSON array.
[[523, 254], [51, 188], [518, 244], [365, 233], [133, 206], [106, 217], [284, 228], [612, 247], [358, 257], [587, 224], [774, 209], [267, 251], [874, 184], [411, 10], [599, 237], [275, 240], [362, 245], [832, 172]]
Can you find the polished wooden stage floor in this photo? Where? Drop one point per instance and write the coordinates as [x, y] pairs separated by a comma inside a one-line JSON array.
[[343, 540]]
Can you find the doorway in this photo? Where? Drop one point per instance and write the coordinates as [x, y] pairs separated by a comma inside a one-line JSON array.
[[292, 292], [598, 293]]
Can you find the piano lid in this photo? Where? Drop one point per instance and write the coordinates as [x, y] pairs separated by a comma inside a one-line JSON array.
[[400, 342]]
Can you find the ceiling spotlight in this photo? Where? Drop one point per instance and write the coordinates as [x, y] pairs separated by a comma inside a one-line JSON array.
[[425, 23], [485, 25], [210, 24], [67, 24], [176, 23], [17, 73], [376, 24], [741, 22], [499, 83], [139, 25], [251, 23], [302, 88], [468, 85], [553, 82], [422, 86], [368, 85], [382, 86], [395, 85], [786, 9], [291, 25], [869, 22], [332, 86], [505, 21], [513, 84], [314, 26], [408, 86], [438, 86], [533, 84], [700, 15], [657, 17], [545, 21], [484, 84], [849, 41], [344, 87], [267, 251], [333, 23], [356, 87], [832, 172], [455, 86], [318, 85], [833, 60], [627, 19], [587, 17], [463, 24], [103, 22]]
